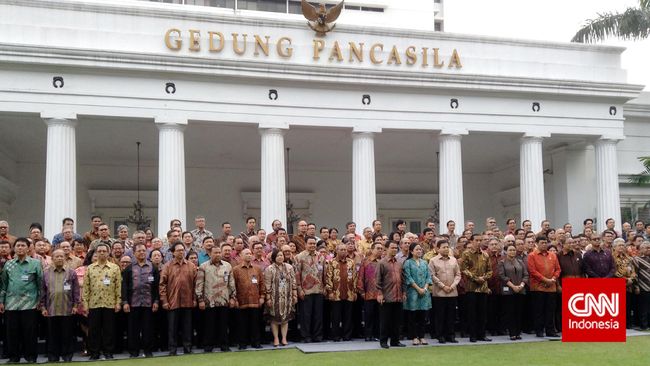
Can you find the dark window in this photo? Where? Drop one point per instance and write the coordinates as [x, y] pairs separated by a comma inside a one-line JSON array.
[[372, 9], [277, 6], [438, 26], [214, 3]]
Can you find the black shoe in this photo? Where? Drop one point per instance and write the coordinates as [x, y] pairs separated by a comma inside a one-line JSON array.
[[452, 340], [148, 354], [485, 339], [552, 334], [207, 350], [306, 340], [375, 339], [93, 358], [52, 359], [108, 356], [347, 339], [518, 337], [225, 349], [441, 341], [33, 360], [384, 345], [187, 350], [133, 355], [473, 340], [257, 346], [398, 344], [242, 347], [368, 339], [540, 335], [317, 340], [14, 360], [336, 339], [173, 352]]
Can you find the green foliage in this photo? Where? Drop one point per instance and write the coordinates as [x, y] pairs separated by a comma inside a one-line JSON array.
[[643, 177], [633, 24]]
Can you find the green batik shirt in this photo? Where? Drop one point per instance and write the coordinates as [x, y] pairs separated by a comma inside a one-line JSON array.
[[21, 283]]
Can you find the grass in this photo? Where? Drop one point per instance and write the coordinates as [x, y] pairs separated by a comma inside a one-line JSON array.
[[636, 351]]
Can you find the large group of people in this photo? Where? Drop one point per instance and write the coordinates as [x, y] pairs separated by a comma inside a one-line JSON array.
[[143, 293]]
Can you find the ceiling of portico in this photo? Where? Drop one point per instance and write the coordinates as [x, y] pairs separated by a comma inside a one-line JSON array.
[[211, 145]]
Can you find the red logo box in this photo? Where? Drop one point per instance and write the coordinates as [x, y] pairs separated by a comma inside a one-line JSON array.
[[593, 310]]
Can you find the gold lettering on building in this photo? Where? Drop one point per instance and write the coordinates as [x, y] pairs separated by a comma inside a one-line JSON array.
[[175, 44], [235, 43], [261, 45], [319, 44], [373, 57], [284, 51], [356, 52], [218, 48]]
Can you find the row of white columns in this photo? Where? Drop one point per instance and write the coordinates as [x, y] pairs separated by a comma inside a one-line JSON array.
[[60, 191]]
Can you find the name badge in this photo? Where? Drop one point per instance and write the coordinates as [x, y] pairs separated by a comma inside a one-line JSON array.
[[67, 287], [25, 277], [254, 280], [106, 281], [320, 267], [506, 288], [150, 279]]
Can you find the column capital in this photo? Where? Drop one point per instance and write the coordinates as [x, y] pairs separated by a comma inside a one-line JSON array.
[[273, 125], [365, 130], [453, 132], [271, 131], [58, 115], [607, 139], [60, 122], [169, 120]]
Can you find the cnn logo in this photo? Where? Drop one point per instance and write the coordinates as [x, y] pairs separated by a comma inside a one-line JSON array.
[[591, 310], [585, 305]]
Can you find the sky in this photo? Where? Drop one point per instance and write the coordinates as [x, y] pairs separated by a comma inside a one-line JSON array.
[[551, 20]]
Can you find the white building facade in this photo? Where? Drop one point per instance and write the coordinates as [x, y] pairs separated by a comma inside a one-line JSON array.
[[380, 121]]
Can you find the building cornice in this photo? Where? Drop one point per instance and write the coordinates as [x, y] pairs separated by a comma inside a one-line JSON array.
[[248, 18], [188, 66]]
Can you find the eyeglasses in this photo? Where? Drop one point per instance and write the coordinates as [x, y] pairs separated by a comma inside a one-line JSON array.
[[103, 229]]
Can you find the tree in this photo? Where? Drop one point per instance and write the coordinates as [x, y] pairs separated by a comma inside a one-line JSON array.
[[644, 177], [633, 23]]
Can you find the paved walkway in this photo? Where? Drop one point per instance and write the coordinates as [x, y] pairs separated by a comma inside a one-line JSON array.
[[355, 345]]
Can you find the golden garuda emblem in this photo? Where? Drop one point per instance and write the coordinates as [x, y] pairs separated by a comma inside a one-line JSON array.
[[320, 19]]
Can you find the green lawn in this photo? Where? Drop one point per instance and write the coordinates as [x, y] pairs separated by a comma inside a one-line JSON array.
[[636, 351]]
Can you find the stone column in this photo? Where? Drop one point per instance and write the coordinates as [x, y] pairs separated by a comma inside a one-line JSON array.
[[451, 180], [60, 173], [607, 190], [364, 196], [532, 181], [273, 187], [171, 173]]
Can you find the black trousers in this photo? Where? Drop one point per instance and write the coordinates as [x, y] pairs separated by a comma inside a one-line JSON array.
[[341, 315], [476, 305], [215, 328], [101, 331], [644, 309], [371, 318], [629, 305], [445, 316], [544, 311], [140, 330], [357, 318], [311, 321], [494, 314], [514, 307], [416, 320], [121, 329], [21, 333], [160, 329], [462, 314], [249, 326], [197, 327], [391, 319], [60, 336], [179, 317], [527, 322]]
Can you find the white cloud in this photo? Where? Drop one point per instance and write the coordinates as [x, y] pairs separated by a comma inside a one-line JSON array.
[[550, 20]]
